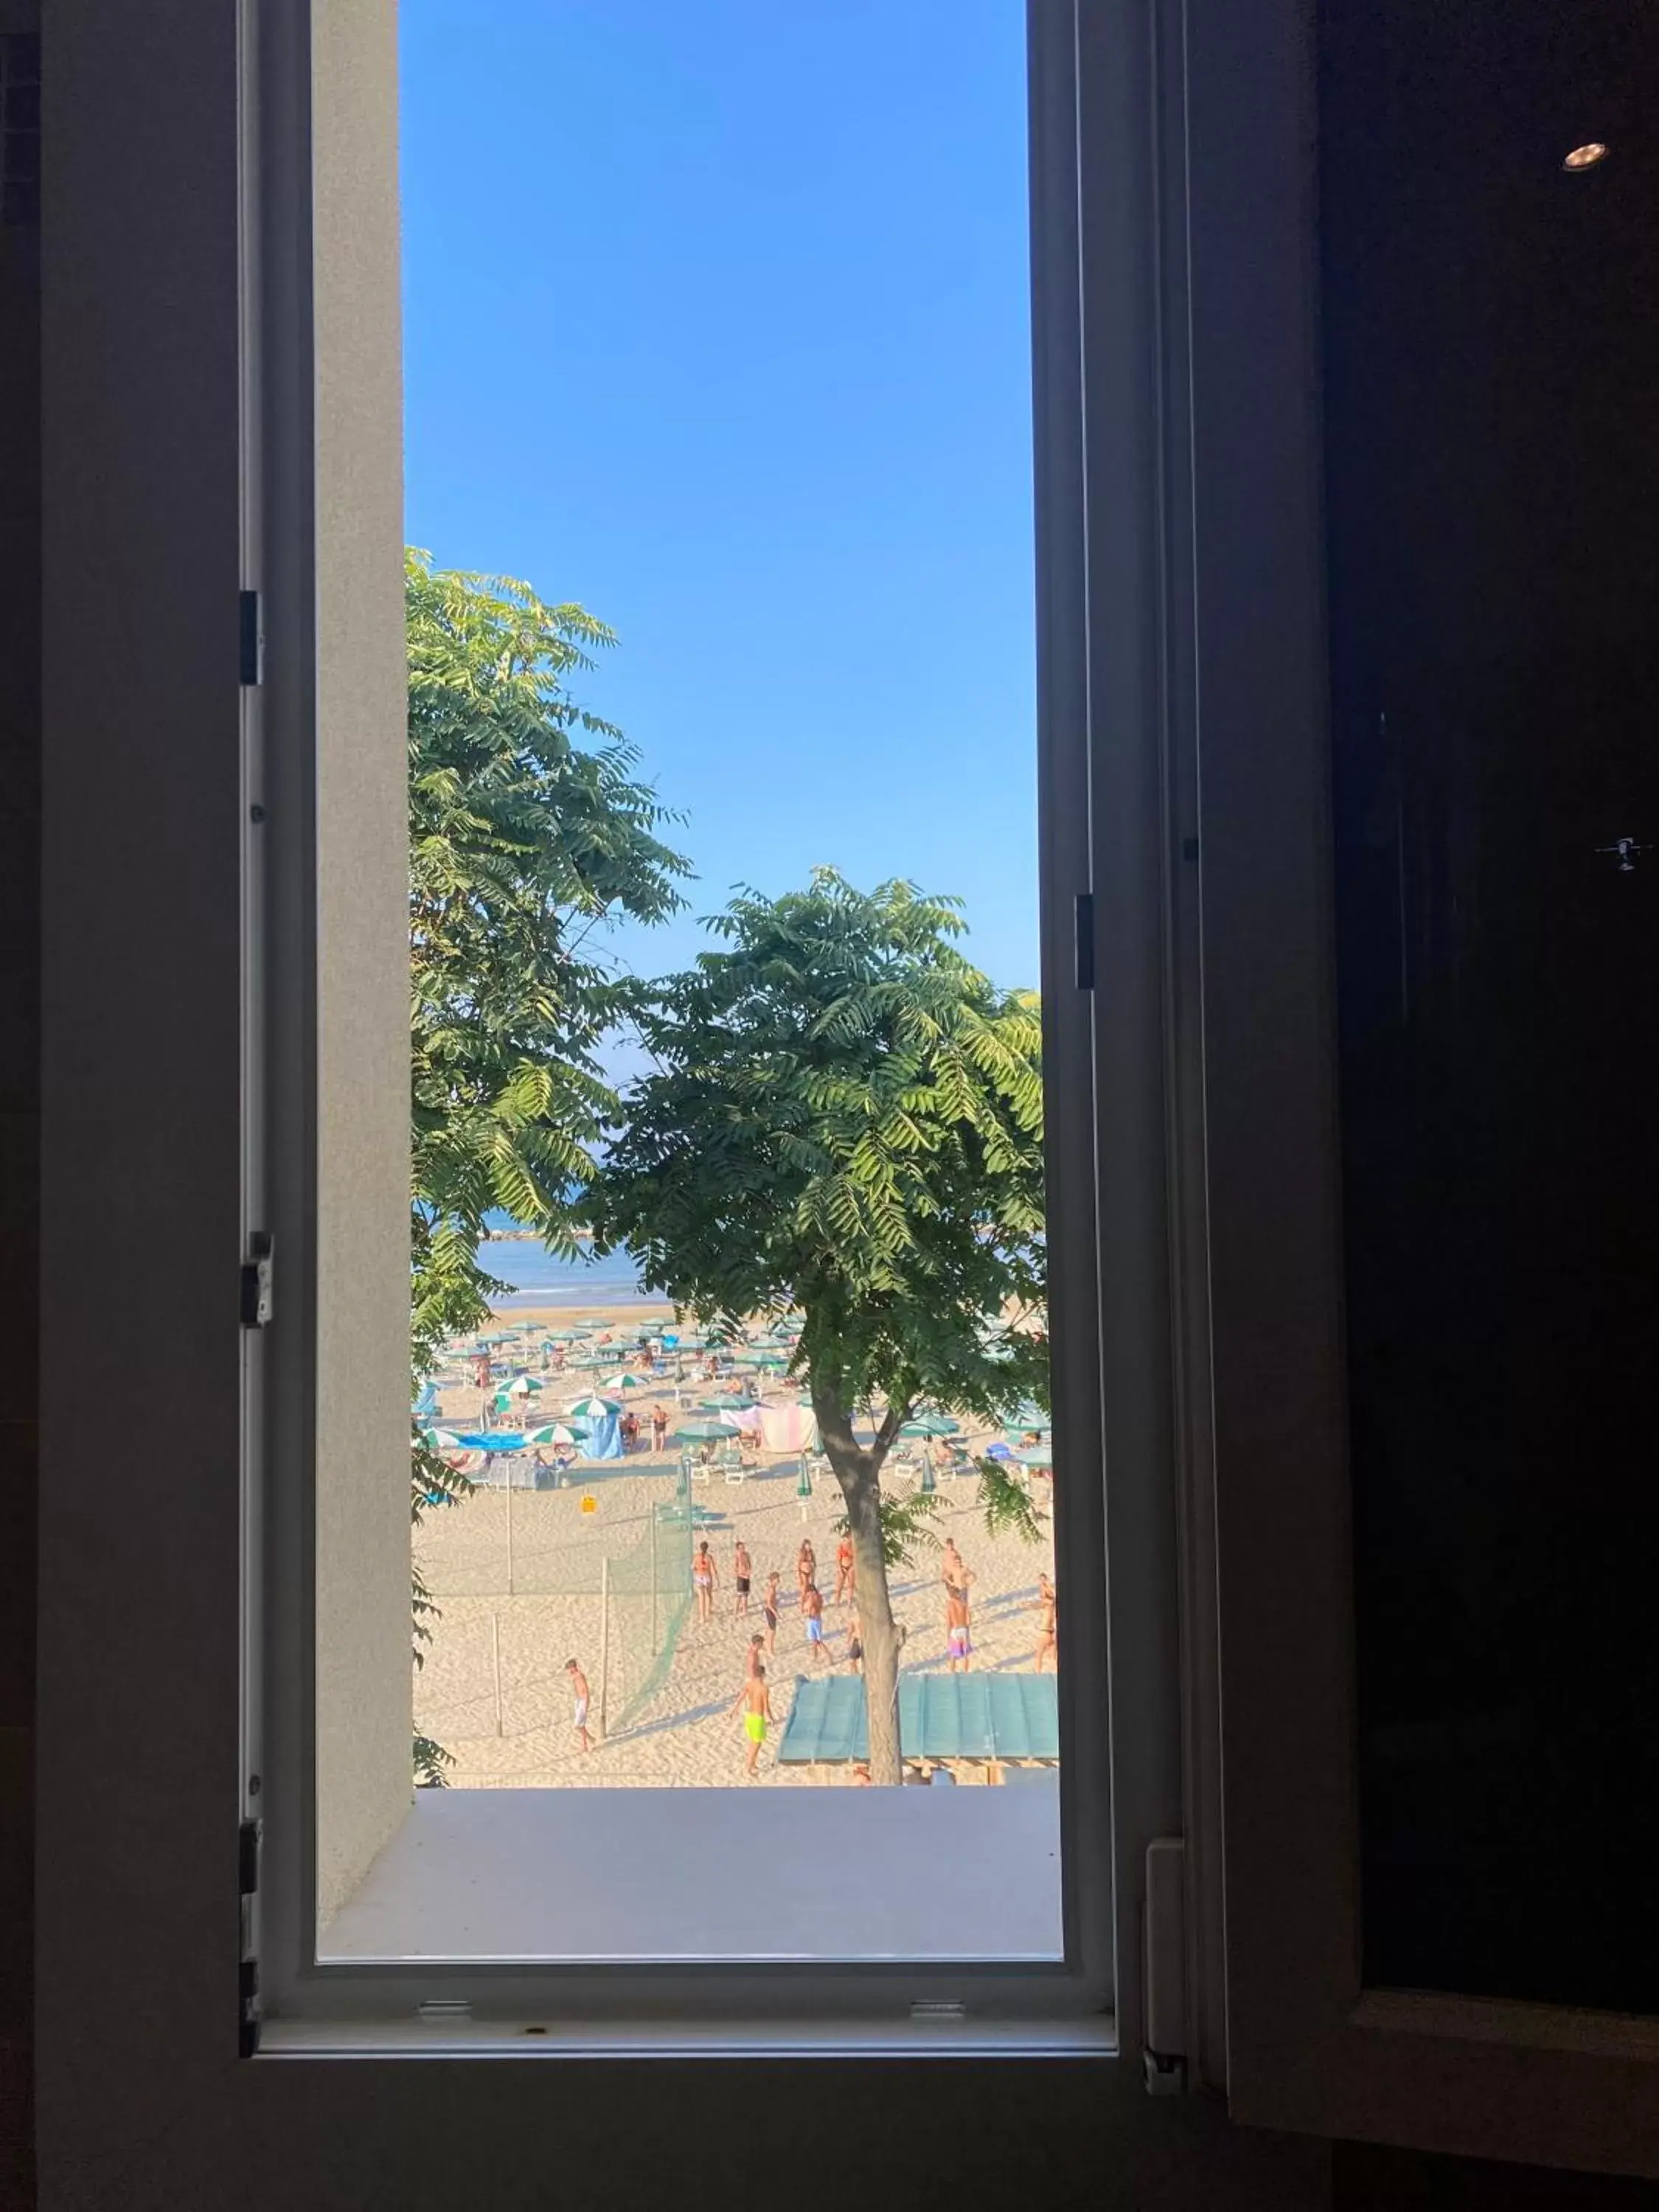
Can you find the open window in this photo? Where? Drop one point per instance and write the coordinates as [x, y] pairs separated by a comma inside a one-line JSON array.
[[223, 418]]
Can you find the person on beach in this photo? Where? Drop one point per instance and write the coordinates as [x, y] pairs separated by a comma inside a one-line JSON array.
[[630, 1432], [770, 1607], [807, 1568], [658, 1427], [811, 1604], [756, 1706], [1048, 1638], [752, 1662], [741, 1571], [861, 1775], [854, 1653], [847, 1573], [704, 1575], [955, 1572], [956, 1629], [579, 1691]]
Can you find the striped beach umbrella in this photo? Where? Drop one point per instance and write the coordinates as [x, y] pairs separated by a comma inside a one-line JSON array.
[[594, 1409], [443, 1440], [626, 1381], [556, 1432], [705, 1432], [521, 1385]]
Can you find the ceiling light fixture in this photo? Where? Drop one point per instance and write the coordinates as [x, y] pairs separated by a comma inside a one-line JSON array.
[[1586, 157]]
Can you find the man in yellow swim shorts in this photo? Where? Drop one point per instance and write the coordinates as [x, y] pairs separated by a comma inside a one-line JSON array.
[[755, 1704]]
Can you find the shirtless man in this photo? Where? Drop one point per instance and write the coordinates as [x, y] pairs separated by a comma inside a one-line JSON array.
[[740, 1574], [579, 1691], [704, 1575], [756, 1706], [855, 1653], [1047, 1640], [956, 1628], [658, 1427], [955, 1574], [811, 1604], [770, 1607], [756, 1646], [807, 1568], [846, 1576]]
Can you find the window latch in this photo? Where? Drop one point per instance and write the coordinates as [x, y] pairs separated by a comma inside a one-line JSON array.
[[256, 1280]]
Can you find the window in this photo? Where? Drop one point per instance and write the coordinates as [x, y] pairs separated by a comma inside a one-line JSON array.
[[1174, 254]]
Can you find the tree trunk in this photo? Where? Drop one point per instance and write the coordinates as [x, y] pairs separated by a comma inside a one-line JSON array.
[[859, 1474]]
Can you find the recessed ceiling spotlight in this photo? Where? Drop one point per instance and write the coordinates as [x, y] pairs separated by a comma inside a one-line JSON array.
[[1586, 157]]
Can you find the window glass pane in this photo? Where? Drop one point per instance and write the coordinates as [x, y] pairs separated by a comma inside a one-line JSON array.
[[1491, 354], [734, 1480]]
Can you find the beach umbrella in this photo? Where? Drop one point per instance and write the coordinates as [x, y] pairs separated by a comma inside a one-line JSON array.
[[928, 1424], [1029, 1417], [557, 1432], [1038, 1455], [626, 1381], [521, 1384], [442, 1440], [698, 1432], [594, 1409]]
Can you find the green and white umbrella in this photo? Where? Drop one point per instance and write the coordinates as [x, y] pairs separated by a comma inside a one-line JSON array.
[[594, 1409], [443, 1440], [521, 1385], [557, 1432], [700, 1432], [930, 1425], [626, 1381]]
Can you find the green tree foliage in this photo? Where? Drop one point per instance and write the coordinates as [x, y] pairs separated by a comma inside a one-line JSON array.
[[528, 830], [845, 1118]]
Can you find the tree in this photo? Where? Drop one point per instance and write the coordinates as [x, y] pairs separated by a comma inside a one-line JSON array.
[[523, 841], [845, 1118]]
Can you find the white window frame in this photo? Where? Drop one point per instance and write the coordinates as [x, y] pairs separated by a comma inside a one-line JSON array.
[[313, 2006]]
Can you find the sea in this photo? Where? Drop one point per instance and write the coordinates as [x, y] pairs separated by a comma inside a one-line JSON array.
[[540, 1278]]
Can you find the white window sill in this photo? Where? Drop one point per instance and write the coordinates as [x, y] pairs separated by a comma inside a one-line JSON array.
[[653, 1876]]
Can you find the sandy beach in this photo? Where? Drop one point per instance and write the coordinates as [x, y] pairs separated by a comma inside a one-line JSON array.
[[684, 1733]]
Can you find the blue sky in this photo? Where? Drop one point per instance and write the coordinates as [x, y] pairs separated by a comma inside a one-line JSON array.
[[716, 322]]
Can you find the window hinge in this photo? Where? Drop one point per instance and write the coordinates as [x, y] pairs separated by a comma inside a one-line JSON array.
[[247, 1877], [933, 2009], [1085, 929], [256, 1281], [250, 638], [1163, 1933]]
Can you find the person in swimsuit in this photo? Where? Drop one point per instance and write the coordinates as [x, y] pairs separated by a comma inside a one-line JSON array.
[[756, 1646], [811, 1604], [861, 1775], [658, 1427], [847, 1580], [807, 1568], [754, 1702], [579, 1691], [740, 1573], [855, 1645], [704, 1574], [770, 1607], [955, 1574], [956, 1629], [1047, 1637]]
